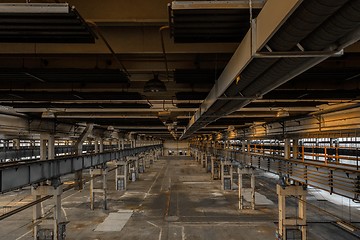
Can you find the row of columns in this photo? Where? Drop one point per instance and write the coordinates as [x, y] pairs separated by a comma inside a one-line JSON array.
[[53, 227], [224, 170]]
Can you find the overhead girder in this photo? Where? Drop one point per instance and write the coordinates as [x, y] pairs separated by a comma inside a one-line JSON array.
[[251, 78]]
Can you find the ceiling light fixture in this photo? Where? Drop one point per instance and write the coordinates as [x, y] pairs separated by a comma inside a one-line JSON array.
[[48, 114], [155, 85], [282, 113]]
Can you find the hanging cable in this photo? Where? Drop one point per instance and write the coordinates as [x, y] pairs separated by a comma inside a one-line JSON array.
[[251, 14], [163, 50], [101, 35]]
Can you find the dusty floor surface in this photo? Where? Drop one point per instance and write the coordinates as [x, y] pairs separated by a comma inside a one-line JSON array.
[[175, 199]]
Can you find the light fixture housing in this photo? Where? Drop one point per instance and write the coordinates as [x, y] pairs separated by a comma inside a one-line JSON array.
[[155, 85], [48, 114], [282, 113], [43, 23]]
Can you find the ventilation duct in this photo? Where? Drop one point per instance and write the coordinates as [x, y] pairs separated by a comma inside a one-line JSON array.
[[318, 25]]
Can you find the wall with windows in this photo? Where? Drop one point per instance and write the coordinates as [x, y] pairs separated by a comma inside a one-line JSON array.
[[176, 148]]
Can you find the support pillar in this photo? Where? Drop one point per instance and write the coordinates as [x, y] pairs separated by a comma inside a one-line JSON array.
[[95, 172], [78, 179], [295, 148], [241, 172], [49, 227], [203, 160], [101, 146], [121, 175], [51, 147], [287, 148], [141, 164], [133, 168], [16, 144], [226, 175], [215, 171], [294, 223], [96, 146]]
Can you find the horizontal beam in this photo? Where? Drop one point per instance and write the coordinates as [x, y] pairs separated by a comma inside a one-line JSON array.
[[34, 8], [191, 5], [21, 175], [266, 25], [336, 120]]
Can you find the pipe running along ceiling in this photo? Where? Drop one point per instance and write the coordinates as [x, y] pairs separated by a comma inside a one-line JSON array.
[[318, 25]]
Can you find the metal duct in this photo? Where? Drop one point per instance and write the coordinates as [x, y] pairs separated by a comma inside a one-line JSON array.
[[317, 25]]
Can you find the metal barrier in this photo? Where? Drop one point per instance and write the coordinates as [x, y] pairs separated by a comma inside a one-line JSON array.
[[341, 179], [23, 174]]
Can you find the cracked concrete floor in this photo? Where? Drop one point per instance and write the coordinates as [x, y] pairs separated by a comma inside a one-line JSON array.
[[174, 199]]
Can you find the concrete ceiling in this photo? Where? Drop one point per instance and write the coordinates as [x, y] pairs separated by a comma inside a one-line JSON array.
[[85, 83]]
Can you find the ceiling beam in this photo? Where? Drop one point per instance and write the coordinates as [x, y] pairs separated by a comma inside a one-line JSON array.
[[267, 24]]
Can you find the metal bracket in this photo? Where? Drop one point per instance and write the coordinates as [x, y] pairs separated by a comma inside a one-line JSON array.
[[299, 54]]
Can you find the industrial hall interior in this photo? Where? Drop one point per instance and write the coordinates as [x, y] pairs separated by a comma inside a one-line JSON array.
[[179, 120]]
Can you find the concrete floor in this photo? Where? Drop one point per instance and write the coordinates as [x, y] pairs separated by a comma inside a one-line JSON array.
[[175, 199]]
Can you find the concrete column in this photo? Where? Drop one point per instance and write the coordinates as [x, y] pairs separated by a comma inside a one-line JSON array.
[[217, 169], [47, 146], [287, 148], [16, 144], [290, 223], [203, 160], [6, 144], [118, 144], [121, 175], [243, 144], [295, 148], [101, 147], [78, 179], [226, 165], [48, 224], [51, 147], [95, 172], [241, 172], [96, 146], [134, 170], [43, 147]]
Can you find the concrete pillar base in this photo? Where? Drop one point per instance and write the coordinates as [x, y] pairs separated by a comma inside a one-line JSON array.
[[94, 172], [78, 181], [241, 172], [52, 226], [121, 175], [226, 175], [298, 223]]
